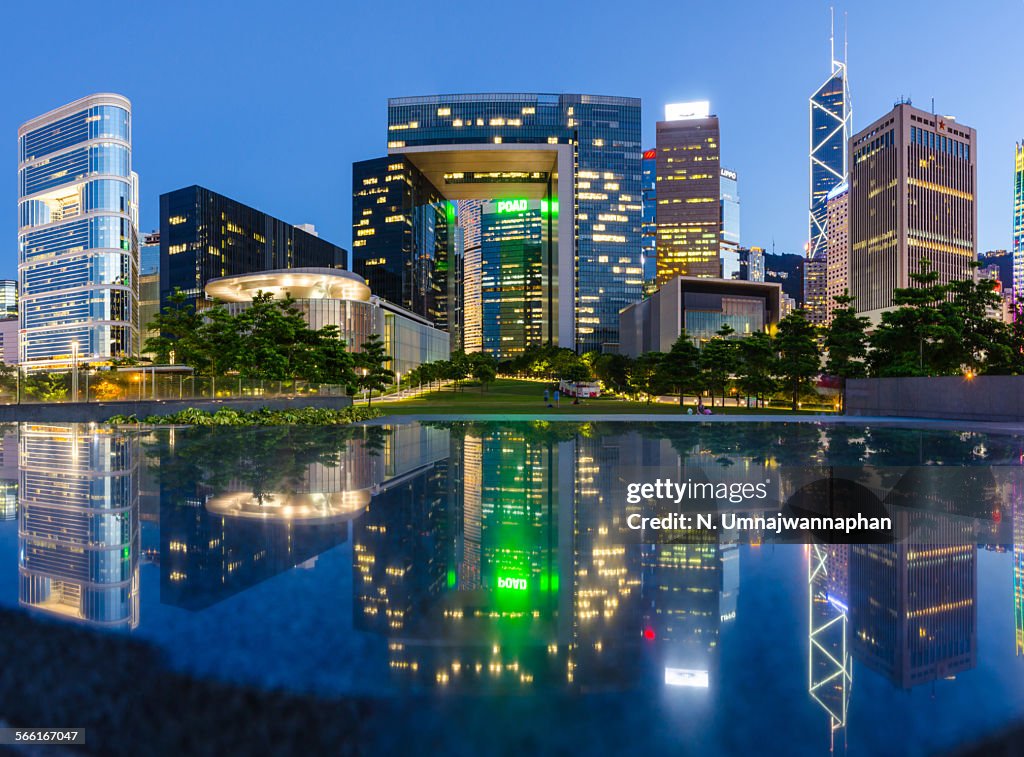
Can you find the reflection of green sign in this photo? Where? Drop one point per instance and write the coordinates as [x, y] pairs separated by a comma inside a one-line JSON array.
[[512, 206], [519, 584]]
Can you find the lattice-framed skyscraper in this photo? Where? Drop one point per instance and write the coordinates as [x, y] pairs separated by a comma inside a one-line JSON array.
[[830, 123]]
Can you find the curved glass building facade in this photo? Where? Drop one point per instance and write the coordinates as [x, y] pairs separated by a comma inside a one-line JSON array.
[[78, 249], [580, 154]]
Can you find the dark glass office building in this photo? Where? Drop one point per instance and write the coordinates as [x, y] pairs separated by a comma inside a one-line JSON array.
[[520, 147], [204, 235], [401, 241]]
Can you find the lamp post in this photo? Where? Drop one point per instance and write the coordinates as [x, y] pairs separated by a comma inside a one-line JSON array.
[[399, 375], [74, 370]]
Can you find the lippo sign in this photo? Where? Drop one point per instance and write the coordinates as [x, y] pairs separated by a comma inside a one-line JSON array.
[[519, 584]]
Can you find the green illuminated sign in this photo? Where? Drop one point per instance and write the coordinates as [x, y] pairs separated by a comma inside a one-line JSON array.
[[519, 584], [545, 205], [512, 206]]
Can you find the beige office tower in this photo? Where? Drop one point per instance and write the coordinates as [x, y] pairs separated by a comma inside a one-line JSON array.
[[913, 179], [837, 268], [688, 186], [472, 309]]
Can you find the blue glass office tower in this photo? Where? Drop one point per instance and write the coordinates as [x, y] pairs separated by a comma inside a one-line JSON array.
[[467, 146], [831, 120], [78, 250], [649, 231]]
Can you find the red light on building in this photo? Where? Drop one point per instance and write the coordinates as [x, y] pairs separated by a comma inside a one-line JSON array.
[[649, 634], [650, 154]]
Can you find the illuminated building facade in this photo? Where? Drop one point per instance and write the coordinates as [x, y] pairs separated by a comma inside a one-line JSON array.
[[149, 285], [729, 225], [8, 298], [913, 180], [689, 187], [401, 242], [649, 228], [470, 217], [837, 256], [333, 297], [1018, 221], [579, 153], [78, 527], [204, 235], [512, 246], [751, 264], [913, 608], [78, 250], [815, 290], [831, 123], [1018, 575], [701, 307]]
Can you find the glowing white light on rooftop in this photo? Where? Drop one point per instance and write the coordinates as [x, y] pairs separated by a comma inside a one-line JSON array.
[[684, 111]]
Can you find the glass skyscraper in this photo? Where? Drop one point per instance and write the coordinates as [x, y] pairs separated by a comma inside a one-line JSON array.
[[602, 135], [1018, 223], [78, 250], [831, 120], [730, 226], [511, 281], [649, 232], [205, 235], [8, 298]]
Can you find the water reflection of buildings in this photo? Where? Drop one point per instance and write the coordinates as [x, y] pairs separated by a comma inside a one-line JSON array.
[[507, 568], [217, 542], [914, 609], [465, 588], [78, 530], [9, 474], [830, 667], [1018, 572]]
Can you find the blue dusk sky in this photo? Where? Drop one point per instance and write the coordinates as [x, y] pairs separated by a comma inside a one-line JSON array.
[[270, 102]]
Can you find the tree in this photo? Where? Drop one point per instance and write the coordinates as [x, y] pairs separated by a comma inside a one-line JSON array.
[[482, 369], [613, 370], [332, 362], [718, 362], [915, 338], [644, 375], [799, 360], [982, 339], [846, 343], [459, 367], [274, 339], [47, 387], [680, 367], [178, 326], [757, 366], [371, 362]]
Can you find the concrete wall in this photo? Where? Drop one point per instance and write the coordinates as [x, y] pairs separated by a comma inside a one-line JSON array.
[[86, 412], [984, 398]]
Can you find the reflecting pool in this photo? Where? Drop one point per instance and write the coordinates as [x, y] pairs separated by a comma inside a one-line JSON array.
[[474, 586]]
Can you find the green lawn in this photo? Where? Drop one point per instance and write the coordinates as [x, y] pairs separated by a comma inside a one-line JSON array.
[[520, 396]]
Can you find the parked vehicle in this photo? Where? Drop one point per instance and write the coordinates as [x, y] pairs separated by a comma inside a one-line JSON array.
[[580, 389]]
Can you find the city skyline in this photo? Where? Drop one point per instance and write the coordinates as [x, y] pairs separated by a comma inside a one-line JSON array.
[[264, 167]]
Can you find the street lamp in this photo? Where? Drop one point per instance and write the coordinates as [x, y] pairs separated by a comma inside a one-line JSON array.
[[399, 374], [74, 370]]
